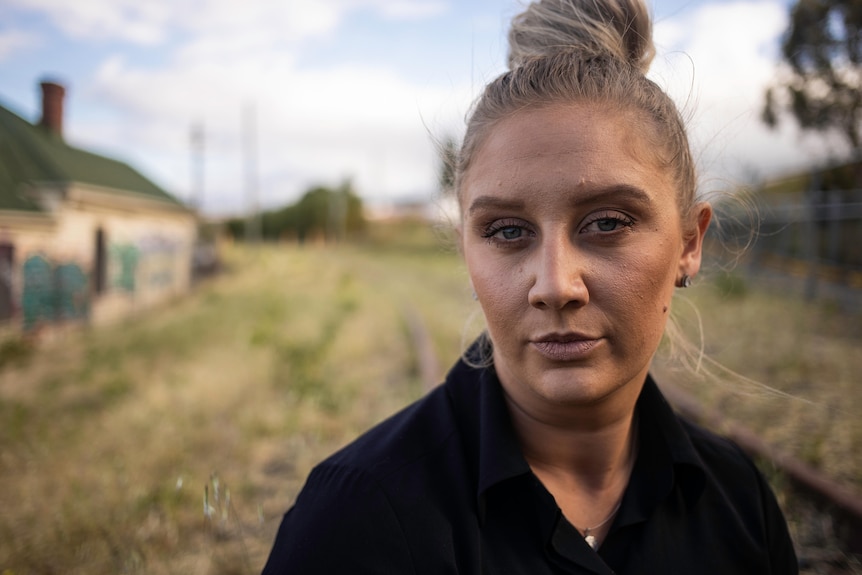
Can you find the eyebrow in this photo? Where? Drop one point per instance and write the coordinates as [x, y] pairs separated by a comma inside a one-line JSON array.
[[615, 192], [492, 202]]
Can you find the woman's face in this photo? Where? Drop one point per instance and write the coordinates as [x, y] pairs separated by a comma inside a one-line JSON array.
[[573, 241]]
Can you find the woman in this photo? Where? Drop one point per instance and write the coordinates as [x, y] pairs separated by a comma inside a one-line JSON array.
[[549, 449]]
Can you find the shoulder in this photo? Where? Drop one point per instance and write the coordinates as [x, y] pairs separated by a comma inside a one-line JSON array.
[[372, 505], [420, 435], [345, 514], [329, 528], [735, 485], [718, 452], [728, 467], [417, 432]]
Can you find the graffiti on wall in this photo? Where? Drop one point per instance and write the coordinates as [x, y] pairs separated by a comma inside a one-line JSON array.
[[72, 293], [52, 292], [123, 265], [148, 264], [37, 296], [60, 291], [160, 261]]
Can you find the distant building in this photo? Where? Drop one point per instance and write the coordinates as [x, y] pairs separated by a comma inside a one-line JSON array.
[[82, 236], [443, 208]]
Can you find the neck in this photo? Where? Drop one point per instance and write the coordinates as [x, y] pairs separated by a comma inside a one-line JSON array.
[[582, 454], [592, 457]]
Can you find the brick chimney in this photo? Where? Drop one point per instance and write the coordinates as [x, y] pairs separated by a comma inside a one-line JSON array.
[[52, 107]]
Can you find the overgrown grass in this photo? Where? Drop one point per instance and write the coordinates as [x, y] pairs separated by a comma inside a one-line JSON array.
[[110, 436], [786, 368], [111, 439]]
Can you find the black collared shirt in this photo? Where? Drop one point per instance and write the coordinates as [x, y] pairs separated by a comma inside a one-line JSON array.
[[442, 487]]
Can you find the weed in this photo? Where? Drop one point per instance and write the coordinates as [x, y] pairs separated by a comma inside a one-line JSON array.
[[730, 285], [300, 363], [15, 350], [224, 527], [116, 388], [15, 417]]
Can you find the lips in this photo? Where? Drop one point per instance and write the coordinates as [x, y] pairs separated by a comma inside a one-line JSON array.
[[565, 347]]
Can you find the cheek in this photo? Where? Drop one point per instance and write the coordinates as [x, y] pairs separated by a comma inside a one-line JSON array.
[[499, 290], [642, 295], [657, 263]]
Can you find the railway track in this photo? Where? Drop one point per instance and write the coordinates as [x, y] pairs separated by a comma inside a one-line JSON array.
[[829, 515]]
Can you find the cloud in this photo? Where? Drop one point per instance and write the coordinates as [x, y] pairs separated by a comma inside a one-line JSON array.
[[370, 120], [314, 125], [731, 45], [129, 20], [12, 41], [716, 62], [412, 9], [155, 22], [214, 58]]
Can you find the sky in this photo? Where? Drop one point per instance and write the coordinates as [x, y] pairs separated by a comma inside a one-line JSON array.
[[290, 94]]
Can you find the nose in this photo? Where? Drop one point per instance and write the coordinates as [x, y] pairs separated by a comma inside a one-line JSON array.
[[558, 276]]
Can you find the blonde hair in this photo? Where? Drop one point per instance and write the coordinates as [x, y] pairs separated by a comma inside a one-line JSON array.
[[593, 51], [622, 29]]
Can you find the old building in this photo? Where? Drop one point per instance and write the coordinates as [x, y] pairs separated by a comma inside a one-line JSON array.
[[82, 236]]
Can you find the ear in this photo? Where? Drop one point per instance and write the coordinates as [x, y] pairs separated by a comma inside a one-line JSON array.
[[689, 262]]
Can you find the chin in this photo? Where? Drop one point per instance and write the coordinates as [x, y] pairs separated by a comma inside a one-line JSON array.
[[568, 386]]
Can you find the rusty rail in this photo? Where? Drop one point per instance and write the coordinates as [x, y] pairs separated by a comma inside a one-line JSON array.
[[426, 358], [842, 504]]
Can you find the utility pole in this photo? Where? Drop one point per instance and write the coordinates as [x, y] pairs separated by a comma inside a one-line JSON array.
[[253, 224], [197, 166]]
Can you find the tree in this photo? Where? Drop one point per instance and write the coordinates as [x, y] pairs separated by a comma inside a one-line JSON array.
[[821, 84], [332, 214]]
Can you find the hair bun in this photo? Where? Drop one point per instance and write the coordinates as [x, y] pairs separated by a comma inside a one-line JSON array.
[[618, 28]]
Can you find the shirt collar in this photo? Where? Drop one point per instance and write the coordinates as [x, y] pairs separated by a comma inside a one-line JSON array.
[[486, 421], [667, 457], [487, 434], [500, 455], [654, 404]]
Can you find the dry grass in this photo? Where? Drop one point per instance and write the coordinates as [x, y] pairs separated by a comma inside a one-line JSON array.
[[798, 367], [789, 371], [110, 437]]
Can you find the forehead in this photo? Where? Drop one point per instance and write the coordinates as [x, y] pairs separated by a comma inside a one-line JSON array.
[[565, 147]]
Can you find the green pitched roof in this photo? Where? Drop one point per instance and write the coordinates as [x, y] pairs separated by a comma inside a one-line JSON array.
[[30, 154]]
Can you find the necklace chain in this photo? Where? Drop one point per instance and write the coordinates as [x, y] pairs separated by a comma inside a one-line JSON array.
[[608, 518], [591, 539]]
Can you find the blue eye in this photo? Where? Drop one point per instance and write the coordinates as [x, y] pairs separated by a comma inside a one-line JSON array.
[[511, 232], [507, 232], [607, 224]]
